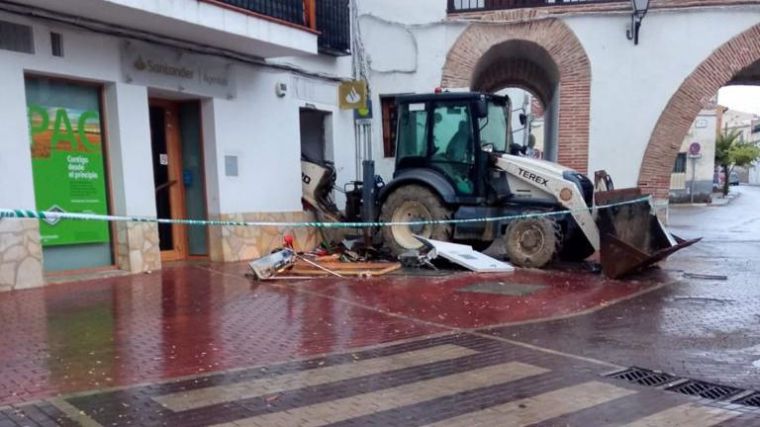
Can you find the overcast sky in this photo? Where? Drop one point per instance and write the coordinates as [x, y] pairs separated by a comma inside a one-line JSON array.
[[741, 98]]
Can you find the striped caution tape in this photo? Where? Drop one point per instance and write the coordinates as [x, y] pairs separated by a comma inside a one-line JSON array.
[[57, 216]]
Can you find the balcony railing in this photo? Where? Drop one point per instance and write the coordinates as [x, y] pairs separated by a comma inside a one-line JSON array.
[[334, 26], [291, 11], [330, 18], [458, 6]]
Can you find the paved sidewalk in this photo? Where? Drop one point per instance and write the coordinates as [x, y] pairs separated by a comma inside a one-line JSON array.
[[200, 344], [196, 318]]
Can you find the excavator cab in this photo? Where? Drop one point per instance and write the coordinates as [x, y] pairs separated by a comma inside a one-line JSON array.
[[447, 134]]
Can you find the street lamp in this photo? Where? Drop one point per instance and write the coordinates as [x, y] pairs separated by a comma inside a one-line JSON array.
[[640, 8]]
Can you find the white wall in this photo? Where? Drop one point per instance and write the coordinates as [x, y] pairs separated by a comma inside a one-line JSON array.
[[631, 85], [196, 21], [406, 45], [129, 144], [15, 155], [256, 125], [263, 131]]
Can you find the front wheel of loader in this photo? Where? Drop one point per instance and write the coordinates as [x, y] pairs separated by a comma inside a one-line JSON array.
[[413, 203], [532, 242]]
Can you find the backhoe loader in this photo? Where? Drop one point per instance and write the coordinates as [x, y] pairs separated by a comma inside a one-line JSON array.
[[455, 159]]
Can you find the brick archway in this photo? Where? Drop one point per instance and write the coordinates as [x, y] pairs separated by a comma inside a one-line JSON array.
[[721, 68], [551, 61]]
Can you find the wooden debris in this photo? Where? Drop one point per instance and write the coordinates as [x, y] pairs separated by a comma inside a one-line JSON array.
[[354, 269]]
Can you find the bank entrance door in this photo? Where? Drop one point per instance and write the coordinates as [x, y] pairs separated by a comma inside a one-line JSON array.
[[178, 175]]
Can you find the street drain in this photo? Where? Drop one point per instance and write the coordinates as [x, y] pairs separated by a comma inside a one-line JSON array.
[[751, 400], [705, 390], [649, 378], [644, 377]]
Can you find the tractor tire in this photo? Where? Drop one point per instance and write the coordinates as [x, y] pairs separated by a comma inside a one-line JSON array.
[[413, 203], [576, 247], [532, 242]]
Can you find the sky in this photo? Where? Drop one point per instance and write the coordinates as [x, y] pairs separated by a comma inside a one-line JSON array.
[[741, 98]]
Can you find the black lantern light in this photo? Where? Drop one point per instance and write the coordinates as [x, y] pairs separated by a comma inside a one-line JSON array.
[[640, 8]]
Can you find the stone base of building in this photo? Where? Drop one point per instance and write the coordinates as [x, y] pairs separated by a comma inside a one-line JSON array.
[[20, 254], [232, 244], [137, 249]]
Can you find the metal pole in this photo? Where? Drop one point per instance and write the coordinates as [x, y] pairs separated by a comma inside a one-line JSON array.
[[358, 154], [693, 176]]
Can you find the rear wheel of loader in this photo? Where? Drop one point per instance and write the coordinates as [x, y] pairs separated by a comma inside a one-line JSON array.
[[532, 242], [413, 203]]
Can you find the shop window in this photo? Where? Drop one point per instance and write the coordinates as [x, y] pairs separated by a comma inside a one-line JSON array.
[[69, 173], [680, 166], [390, 124]]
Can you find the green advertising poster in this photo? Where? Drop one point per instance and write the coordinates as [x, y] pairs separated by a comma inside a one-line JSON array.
[[67, 162]]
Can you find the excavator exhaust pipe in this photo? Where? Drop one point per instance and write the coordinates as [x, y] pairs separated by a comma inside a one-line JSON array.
[[632, 237]]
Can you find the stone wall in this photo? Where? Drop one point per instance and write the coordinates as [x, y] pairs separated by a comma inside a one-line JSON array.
[[20, 254], [231, 244], [137, 250]]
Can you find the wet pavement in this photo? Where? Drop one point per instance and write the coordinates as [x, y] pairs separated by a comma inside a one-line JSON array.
[[200, 344], [196, 318], [705, 326]]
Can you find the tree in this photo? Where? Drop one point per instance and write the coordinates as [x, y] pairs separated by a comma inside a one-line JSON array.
[[731, 151]]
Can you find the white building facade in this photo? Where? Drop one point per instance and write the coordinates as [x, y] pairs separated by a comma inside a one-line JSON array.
[[694, 170], [182, 109]]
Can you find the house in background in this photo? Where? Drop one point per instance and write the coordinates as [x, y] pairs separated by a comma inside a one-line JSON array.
[[693, 172], [746, 124], [753, 177]]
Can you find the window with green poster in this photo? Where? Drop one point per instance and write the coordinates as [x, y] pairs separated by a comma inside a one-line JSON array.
[[68, 166]]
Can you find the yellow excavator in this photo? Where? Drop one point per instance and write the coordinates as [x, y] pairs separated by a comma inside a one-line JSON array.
[[455, 161]]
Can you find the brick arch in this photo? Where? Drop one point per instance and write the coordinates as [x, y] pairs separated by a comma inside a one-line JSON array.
[[721, 68], [464, 68]]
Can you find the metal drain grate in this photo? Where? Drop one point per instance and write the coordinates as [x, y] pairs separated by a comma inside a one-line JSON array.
[[644, 377], [751, 400], [705, 390]]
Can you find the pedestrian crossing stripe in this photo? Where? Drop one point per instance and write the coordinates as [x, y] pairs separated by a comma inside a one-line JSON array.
[[686, 415], [541, 407], [381, 400], [308, 378]]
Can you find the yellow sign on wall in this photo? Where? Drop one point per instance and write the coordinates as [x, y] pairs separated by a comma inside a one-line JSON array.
[[352, 95]]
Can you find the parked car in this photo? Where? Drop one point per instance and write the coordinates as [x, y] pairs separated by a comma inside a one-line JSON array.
[[734, 178]]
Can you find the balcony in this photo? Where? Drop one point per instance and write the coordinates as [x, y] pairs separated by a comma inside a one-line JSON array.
[[464, 6], [258, 28], [328, 18]]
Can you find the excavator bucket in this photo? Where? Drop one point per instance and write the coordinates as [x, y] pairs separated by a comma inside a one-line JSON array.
[[632, 237]]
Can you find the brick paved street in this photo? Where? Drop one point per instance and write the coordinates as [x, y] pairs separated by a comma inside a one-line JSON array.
[[201, 344]]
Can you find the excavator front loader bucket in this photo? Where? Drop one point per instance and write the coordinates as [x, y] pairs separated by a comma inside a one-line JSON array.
[[632, 238]]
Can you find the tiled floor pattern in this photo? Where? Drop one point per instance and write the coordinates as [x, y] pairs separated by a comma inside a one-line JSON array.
[[451, 380]]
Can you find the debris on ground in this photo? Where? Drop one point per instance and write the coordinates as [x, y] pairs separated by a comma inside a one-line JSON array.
[[705, 276], [464, 256], [269, 266], [417, 259], [328, 260], [344, 269]]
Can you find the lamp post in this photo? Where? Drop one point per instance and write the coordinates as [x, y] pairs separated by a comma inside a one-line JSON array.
[[640, 8]]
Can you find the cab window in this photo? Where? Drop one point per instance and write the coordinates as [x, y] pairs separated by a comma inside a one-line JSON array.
[[452, 151]]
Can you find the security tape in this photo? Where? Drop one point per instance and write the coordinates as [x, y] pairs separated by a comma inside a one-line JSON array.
[[56, 216]]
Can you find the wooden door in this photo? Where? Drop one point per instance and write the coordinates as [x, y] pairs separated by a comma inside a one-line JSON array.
[[167, 173]]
